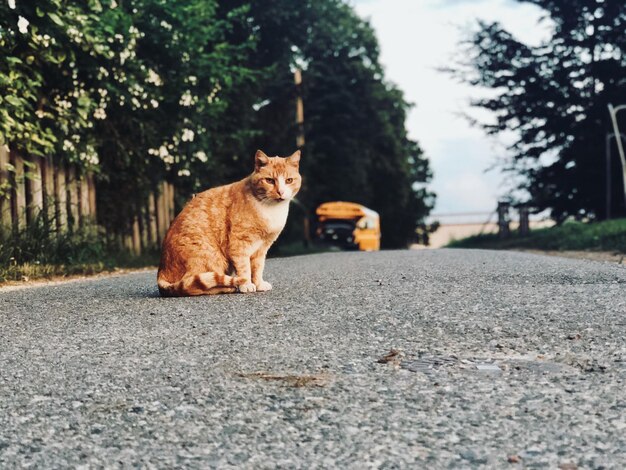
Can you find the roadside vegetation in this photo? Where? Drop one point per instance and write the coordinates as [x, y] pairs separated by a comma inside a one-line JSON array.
[[553, 99], [600, 236], [38, 251], [145, 91]]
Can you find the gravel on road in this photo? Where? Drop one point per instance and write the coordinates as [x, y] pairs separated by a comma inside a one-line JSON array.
[[400, 359]]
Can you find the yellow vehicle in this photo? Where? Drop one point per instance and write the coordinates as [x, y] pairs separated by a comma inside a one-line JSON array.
[[348, 225]]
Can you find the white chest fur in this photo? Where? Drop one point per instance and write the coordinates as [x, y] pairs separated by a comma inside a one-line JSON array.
[[274, 215]]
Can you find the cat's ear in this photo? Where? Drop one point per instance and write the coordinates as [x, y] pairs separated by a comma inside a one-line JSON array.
[[294, 159], [260, 159]]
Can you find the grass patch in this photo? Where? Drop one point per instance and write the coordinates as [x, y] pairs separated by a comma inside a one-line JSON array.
[[596, 236], [40, 252]]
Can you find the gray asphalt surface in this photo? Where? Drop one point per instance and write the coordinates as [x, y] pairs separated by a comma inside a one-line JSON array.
[[504, 360]]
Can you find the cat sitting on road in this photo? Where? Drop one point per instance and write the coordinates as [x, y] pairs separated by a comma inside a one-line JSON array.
[[218, 243]]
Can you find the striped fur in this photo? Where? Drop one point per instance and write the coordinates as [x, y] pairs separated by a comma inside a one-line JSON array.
[[200, 284], [228, 230]]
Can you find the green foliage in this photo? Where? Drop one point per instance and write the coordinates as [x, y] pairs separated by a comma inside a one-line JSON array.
[[357, 147], [39, 250], [554, 97], [146, 90], [168, 126], [40, 243], [606, 236]]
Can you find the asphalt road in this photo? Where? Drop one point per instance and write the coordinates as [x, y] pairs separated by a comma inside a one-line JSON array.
[[502, 360]]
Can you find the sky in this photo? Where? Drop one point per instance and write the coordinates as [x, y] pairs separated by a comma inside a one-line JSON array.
[[418, 37]]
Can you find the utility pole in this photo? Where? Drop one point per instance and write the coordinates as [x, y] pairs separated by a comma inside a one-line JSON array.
[[297, 76], [613, 110], [609, 178]]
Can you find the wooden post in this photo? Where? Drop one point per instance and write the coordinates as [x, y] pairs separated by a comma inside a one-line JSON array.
[[72, 190], [47, 182], [60, 200], [160, 210], [91, 184], [19, 192], [34, 186], [166, 204], [136, 236], [84, 206], [297, 76], [524, 223], [171, 202], [152, 220], [503, 220], [128, 243], [143, 228], [5, 181]]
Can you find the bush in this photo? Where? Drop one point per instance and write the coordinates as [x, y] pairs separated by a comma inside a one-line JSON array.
[[39, 250]]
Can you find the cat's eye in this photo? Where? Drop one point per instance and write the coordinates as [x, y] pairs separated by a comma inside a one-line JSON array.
[[269, 180], [289, 180]]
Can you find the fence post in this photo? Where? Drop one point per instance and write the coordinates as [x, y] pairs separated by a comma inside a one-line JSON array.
[[164, 211], [171, 201], [34, 189], [152, 219], [84, 206], [47, 182], [91, 184], [72, 189], [60, 200], [524, 223], [503, 219], [19, 191], [5, 197], [143, 227]]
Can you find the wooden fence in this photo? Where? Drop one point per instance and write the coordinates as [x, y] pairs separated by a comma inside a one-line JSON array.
[[37, 186]]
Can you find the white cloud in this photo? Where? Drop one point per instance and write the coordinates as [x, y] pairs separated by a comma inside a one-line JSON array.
[[419, 37]]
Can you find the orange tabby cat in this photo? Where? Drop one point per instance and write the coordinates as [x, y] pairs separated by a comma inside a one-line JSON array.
[[218, 243]]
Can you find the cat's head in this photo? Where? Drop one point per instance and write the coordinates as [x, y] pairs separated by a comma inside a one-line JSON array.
[[276, 179]]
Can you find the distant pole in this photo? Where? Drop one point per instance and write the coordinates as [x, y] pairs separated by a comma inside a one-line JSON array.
[[609, 136], [524, 223], [613, 110], [609, 156], [297, 76], [503, 219]]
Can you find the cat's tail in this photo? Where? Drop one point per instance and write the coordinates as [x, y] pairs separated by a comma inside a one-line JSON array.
[[200, 284]]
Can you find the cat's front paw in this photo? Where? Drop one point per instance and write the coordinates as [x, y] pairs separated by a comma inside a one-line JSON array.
[[247, 287], [263, 286]]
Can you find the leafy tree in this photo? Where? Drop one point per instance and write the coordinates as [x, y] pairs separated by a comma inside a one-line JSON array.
[[554, 97], [357, 147], [131, 90], [46, 104], [167, 126], [142, 90]]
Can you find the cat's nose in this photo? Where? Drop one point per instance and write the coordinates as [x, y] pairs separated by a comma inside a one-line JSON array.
[[281, 192]]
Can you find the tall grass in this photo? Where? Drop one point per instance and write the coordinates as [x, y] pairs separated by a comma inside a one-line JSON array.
[[609, 235], [39, 250]]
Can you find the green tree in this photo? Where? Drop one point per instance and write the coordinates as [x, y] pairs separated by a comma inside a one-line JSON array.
[[47, 105], [168, 124], [357, 147], [554, 98], [141, 90]]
